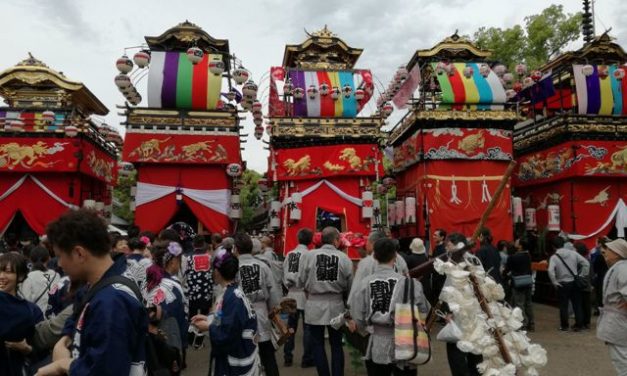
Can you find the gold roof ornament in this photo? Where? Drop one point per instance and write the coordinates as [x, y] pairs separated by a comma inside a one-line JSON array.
[[185, 35], [321, 50], [453, 48], [32, 81]]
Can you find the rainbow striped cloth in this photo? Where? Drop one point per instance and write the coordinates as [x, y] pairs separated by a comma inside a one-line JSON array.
[[174, 82], [325, 106], [602, 96], [459, 90]]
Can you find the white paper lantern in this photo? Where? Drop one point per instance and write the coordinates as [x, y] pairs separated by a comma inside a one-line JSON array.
[[366, 204], [297, 197], [48, 117], [250, 88], [347, 90], [235, 210], [619, 74], [124, 64], [295, 212], [299, 93], [258, 132], [521, 69], [530, 219], [240, 75], [142, 59], [410, 210], [275, 210], [89, 204], [122, 81], [468, 72], [195, 55], [553, 213], [324, 89], [517, 210], [500, 70], [400, 212], [484, 70], [70, 130], [234, 170], [216, 65], [587, 70], [360, 94], [391, 214]]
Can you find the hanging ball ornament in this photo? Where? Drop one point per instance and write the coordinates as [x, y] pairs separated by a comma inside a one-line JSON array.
[[142, 59], [500, 70], [468, 72], [250, 88], [122, 81], [536, 75], [195, 55], [484, 70], [124, 64], [587, 70], [619, 74], [360, 94], [216, 65], [324, 89], [299, 93], [521, 69]]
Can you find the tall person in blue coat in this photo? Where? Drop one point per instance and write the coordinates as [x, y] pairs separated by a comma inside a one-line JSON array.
[[17, 316], [106, 336], [233, 326]]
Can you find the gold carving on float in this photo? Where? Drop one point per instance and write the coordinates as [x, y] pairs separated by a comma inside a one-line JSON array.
[[601, 198], [151, 151], [301, 166], [333, 167], [599, 168], [27, 156], [100, 167], [619, 159], [350, 155], [471, 143], [322, 50], [192, 151]]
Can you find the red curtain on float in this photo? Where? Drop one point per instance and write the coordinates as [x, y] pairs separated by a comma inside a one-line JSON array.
[[326, 199], [155, 215], [457, 193], [35, 204]]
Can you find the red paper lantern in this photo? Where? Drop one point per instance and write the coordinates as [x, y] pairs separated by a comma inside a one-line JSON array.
[[195, 55]]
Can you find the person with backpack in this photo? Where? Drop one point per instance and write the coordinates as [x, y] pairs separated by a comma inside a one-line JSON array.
[[372, 306], [257, 282], [233, 326], [40, 280], [106, 334]]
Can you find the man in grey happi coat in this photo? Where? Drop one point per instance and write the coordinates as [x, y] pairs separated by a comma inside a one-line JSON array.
[[372, 307], [326, 275], [296, 292], [368, 264], [257, 282], [612, 324]]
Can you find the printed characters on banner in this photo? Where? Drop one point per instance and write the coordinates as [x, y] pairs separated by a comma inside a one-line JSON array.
[[327, 268], [164, 148], [594, 158], [324, 161], [530, 219], [381, 294], [250, 276], [36, 155]]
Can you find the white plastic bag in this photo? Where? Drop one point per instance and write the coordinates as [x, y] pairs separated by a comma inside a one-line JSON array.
[[451, 333]]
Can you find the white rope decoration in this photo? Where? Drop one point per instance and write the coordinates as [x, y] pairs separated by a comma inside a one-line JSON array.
[[454, 199]]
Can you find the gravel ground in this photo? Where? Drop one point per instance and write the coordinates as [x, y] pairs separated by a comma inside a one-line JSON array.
[[570, 354]]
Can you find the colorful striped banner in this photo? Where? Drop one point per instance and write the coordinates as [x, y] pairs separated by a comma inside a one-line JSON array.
[[459, 90], [325, 105], [600, 95], [174, 82], [32, 120]]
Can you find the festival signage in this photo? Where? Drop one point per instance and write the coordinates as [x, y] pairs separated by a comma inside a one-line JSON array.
[[181, 148], [581, 158], [37, 154], [324, 161]]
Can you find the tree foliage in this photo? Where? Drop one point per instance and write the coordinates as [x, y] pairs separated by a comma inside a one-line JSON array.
[[250, 197], [542, 37], [122, 194]]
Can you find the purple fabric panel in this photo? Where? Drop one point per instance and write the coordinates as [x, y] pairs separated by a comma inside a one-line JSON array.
[[170, 72], [300, 105], [594, 92]]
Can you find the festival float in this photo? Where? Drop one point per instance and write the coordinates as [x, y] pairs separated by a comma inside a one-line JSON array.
[[324, 158], [53, 155], [185, 145], [454, 144], [572, 151]]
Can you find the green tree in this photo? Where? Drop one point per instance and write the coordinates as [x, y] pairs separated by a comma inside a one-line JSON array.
[[122, 194], [543, 37], [250, 196]]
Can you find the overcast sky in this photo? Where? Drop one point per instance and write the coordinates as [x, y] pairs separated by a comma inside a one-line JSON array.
[[84, 38]]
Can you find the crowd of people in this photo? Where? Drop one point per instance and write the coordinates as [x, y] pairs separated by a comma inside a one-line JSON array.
[[87, 302]]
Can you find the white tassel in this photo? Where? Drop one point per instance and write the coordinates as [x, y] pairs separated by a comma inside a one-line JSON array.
[[485, 192], [454, 199]]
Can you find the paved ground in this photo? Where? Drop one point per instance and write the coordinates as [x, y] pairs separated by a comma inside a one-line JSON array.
[[570, 354]]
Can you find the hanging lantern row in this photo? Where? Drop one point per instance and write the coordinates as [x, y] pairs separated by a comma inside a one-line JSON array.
[[384, 108], [323, 90], [258, 132]]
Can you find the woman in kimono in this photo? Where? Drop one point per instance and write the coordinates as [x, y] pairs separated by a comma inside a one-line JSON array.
[[233, 325], [372, 308], [612, 324], [165, 294]]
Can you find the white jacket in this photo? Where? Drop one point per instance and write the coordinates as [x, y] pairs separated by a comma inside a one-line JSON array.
[[36, 286]]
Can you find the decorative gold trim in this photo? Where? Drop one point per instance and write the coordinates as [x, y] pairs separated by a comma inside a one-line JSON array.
[[184, 35], [322, 50]]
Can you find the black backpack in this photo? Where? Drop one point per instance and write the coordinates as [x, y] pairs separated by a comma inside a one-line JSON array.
[[161, 359]]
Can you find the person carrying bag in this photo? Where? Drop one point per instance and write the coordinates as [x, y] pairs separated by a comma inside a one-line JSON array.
[[411, 340]]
